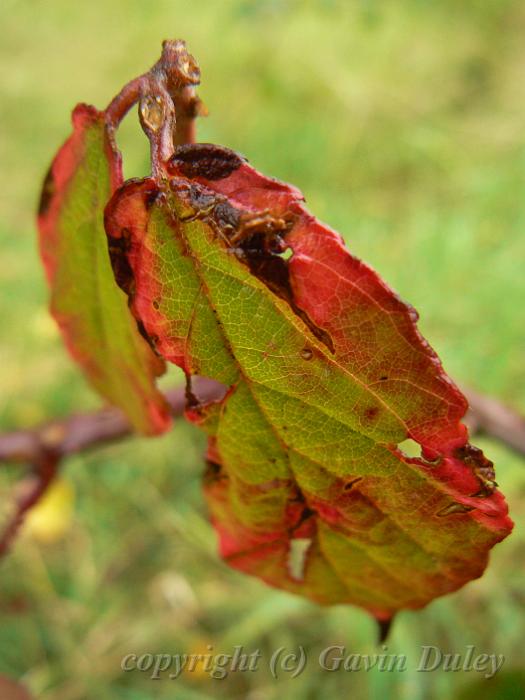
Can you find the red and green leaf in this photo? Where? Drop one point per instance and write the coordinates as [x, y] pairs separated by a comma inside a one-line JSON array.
[[90, 309], [325, 376]]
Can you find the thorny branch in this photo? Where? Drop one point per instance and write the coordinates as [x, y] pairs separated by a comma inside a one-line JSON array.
[[488, 416]]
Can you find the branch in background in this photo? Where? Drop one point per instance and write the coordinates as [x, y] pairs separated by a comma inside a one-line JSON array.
[[43, 448], [84, 431], [488, 416], [90, 430], [28, 492], [187, 107]]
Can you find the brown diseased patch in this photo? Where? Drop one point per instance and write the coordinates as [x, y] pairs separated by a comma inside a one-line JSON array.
[[213, 472], [482, 468], [204, 160], [118, 250], [257, 239], [153, 196], [259, 253], [48, 192], [371, 413]]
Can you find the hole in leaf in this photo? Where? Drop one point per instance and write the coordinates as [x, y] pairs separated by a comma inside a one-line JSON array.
[[410, 448], [297, 557], [203, 390]]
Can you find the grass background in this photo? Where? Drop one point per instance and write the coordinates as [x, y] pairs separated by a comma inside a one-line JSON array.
[[404, 125]]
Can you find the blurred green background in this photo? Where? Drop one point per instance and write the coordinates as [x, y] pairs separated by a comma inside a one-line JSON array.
[[404, 125]]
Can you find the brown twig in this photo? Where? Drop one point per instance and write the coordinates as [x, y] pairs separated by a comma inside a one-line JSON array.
[[167, 101], [187, 108], [84, 431], [43, 448], [491, 417], [30, 491]]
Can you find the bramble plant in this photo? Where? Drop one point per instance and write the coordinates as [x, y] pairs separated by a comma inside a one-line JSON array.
[[306, 371]]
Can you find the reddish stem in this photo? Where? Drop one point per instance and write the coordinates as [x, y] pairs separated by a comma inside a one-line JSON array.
[[124, 101], [168, 104], [46, 446], [32, 491], [187, 107]]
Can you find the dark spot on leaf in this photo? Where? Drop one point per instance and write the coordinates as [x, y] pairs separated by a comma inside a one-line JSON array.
[[48, 191], [213, 472], [118, 249], [204, 160], [383, 378], [270, 486], [156, 304], [151, 197], [454, 508], [307, 354], [371, 412], [213, 467], [306, 513], [350, 484]]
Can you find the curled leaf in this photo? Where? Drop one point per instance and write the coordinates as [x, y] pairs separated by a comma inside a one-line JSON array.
[[325, 375], [91, 311]]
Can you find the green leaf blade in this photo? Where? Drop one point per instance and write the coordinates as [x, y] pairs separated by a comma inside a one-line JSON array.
[[304, 444], [90, 309]]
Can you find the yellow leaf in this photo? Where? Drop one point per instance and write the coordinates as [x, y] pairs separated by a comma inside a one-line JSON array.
[[49, 520]]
